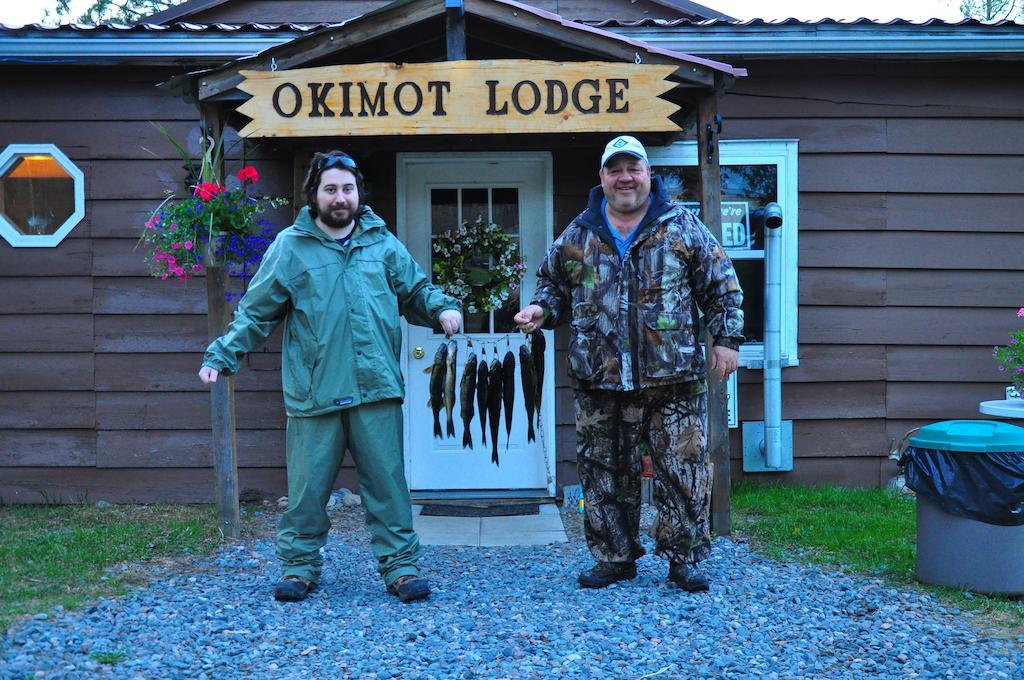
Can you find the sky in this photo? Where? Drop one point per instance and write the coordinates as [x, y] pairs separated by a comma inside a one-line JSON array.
[[31, 11]]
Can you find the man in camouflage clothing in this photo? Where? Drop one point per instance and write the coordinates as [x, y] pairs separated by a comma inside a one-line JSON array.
[[626, 274]]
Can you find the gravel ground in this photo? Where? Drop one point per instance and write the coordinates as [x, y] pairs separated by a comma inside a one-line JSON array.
[[512, 612]]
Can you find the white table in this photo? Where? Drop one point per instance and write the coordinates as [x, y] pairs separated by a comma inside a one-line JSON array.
[[1007, 408]]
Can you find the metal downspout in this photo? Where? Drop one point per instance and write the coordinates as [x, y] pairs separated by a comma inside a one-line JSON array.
[[772, 444]]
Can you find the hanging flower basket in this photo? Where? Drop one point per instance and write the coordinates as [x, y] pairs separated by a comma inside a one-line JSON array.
[[479, 264], [218, 225]]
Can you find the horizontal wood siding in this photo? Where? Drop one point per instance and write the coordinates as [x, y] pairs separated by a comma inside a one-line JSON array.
[[910, 248], [98, 390], [910, 270]]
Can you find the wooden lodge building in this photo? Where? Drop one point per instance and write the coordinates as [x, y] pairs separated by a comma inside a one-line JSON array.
[[895, 150]]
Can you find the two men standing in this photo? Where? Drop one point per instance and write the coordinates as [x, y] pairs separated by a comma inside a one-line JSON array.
[[628, 275]]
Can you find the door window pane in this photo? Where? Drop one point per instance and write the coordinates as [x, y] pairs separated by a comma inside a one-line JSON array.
[[505, 209], [444, 210], [475, 205]]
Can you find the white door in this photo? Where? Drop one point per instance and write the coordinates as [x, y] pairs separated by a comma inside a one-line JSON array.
[[436, 192]]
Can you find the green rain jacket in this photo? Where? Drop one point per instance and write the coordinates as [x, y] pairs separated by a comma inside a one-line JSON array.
[[340, 308]]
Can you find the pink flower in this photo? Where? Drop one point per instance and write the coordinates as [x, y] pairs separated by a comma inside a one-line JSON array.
[[151, 222], [171, 261], [1020, 312], [188, 245], [176, 246], [164, 275], [248, 174], [160, 257], [197, 267]]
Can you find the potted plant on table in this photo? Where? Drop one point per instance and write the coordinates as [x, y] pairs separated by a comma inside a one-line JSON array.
[[1010, 360]]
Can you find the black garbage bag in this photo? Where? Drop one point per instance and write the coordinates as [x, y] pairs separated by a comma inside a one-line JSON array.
[[987, 487]]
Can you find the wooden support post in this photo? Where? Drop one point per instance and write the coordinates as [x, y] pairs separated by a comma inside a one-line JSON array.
[[718, 408], [222, 394], [455, 29]]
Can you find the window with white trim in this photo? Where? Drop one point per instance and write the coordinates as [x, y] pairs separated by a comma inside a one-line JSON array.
[[42, 195], [754, 173]]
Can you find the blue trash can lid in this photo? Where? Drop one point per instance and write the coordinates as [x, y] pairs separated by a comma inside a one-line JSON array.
[[975, 436]]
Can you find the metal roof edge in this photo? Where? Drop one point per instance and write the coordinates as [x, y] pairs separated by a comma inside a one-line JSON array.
[[149, 46], [832, 39], [177, 42]]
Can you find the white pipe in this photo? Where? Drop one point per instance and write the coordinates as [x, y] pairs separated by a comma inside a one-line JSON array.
[[772, 444]]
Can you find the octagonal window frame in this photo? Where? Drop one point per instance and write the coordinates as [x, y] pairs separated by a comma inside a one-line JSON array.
[[8, 230]]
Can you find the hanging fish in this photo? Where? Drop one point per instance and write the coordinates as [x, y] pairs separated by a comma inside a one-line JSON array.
[[437, 373], [494, 387], [449, 385], [537, 352], [481, 396], [466, 395], [508, 390], [529, 388]]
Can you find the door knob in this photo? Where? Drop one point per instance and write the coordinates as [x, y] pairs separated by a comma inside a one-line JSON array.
[[418, 353]]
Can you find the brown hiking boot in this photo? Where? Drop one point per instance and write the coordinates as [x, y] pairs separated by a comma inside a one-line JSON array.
[[606, 573], [688, 577]]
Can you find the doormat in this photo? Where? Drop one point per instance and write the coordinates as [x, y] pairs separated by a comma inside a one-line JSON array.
[[480, 509]]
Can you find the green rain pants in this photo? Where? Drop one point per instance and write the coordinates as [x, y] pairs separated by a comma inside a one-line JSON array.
[[315, 449]]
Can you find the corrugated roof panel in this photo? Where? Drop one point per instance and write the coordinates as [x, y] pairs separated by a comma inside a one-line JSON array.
[[792, 21], [606, 23]]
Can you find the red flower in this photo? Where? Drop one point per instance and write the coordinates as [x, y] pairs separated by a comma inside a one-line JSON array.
[[207, 190], [248, 174]]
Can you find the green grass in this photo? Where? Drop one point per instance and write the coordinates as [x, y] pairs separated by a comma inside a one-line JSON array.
[[62, 555], [865, 531], [109, 658]]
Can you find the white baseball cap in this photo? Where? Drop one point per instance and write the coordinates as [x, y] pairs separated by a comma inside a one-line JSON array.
[[624, 144]]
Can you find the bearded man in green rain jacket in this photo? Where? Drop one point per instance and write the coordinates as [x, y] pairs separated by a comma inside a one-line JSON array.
[[338, 280]]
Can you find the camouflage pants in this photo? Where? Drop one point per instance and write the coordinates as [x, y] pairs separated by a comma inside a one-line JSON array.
[[613, 431]]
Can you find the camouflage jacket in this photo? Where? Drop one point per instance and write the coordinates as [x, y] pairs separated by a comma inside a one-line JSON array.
[[634, 321]]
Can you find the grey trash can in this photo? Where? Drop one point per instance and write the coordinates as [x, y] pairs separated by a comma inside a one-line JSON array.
[[969, 480]]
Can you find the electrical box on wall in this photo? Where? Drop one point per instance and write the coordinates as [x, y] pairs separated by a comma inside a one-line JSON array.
[[754, 449]]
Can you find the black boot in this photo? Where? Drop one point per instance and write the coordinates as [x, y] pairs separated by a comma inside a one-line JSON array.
[[410, 588], [606, 573], [293, 589], [688, 577]]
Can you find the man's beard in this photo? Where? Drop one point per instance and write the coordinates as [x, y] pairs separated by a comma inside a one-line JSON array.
[[332, 222]]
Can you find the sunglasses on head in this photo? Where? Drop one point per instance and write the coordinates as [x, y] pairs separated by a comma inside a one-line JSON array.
[[336, 161]]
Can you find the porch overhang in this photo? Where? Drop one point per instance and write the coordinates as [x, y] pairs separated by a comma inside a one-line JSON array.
[[408, 31]]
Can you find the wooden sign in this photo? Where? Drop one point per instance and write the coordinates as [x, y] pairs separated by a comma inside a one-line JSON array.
[[458, 97]]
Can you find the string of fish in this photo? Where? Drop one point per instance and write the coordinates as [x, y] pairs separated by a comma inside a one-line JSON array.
[[487, 388]]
